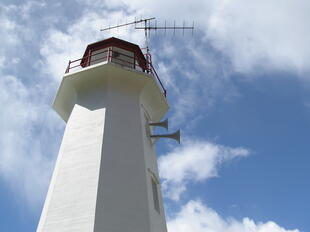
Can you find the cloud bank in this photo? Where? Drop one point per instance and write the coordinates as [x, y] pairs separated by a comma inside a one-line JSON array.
[[24, 163], [194, 161], [197, 161], [196, 217], [252, 34]]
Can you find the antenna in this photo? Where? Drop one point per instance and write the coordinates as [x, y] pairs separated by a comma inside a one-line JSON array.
[[174, 27], [148, 27], [126, 24]]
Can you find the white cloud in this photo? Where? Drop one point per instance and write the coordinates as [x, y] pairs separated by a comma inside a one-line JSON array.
[[27, 123], [196, 217], [194, 161], [61, 46], [57, 50], [2, 59], [261, 33], [24, 163], [8, 32], [196, 79]]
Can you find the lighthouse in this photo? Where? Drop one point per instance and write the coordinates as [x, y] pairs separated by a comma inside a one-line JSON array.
[[106, 174]]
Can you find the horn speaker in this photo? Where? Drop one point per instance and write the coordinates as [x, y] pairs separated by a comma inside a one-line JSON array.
[[176, 136], [163, 124]]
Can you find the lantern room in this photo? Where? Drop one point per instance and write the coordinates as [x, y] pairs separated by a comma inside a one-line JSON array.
[[113, 50]]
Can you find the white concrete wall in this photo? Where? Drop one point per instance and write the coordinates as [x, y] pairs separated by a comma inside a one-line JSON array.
[[122, 194], [70, 205], [102, 179]]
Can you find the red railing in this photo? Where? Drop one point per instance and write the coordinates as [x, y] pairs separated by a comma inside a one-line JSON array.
[[110, 55]]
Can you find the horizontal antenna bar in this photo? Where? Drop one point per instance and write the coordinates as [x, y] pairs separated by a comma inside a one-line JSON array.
[[136, 21], [158, 28]]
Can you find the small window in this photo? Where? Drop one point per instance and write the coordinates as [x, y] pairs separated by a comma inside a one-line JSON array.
[[155, 195], [123, 57], [98, 56]]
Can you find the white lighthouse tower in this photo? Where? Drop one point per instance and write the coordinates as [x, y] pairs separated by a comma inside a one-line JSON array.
[[106, 175]]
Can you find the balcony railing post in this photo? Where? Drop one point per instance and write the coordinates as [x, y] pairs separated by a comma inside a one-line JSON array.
[[89, 58], [110, 54], [68, 67]]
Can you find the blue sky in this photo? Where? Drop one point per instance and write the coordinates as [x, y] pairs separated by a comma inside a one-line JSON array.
[[238, 89]]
